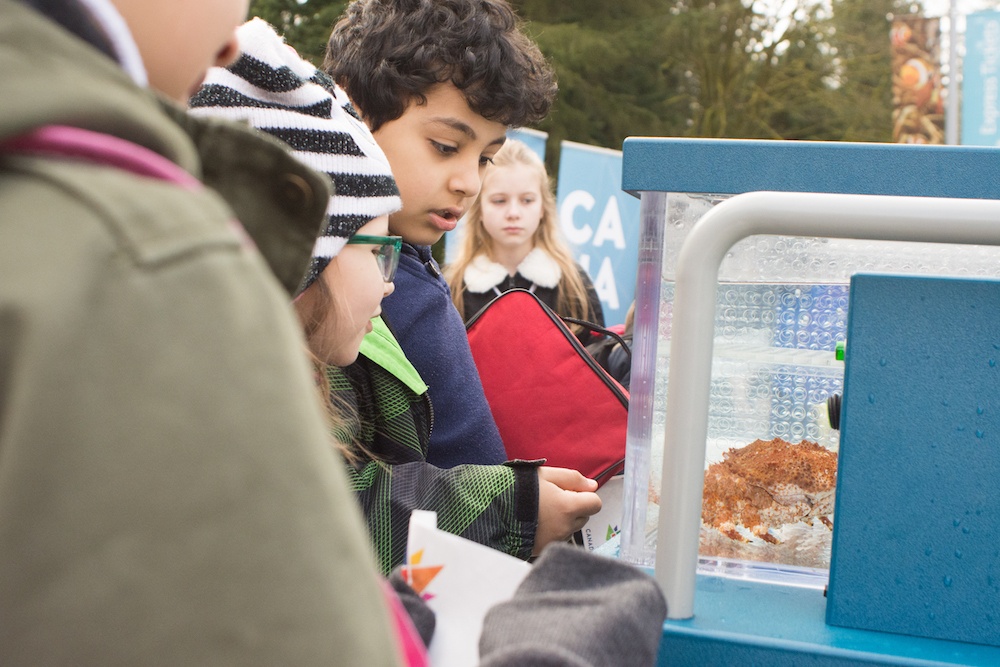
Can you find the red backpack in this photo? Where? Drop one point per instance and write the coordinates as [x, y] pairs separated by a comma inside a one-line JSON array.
[[549, 397]]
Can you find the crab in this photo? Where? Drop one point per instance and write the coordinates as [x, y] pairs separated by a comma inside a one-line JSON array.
[[768, 484]]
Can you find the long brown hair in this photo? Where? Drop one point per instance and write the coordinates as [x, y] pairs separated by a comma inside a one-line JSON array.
[[341, 417], [572, 300]]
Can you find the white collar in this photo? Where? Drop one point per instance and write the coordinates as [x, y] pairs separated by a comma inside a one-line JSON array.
[[482, 274], [117, 30]]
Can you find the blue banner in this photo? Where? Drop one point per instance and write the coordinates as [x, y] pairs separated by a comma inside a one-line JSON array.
[[981, 80], [535, 139], [600, 222]]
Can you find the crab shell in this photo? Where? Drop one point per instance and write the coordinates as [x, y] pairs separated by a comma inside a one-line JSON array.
[[768, 484]]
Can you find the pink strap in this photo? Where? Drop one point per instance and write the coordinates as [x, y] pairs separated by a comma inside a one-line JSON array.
[[75, 142], [407, 637]]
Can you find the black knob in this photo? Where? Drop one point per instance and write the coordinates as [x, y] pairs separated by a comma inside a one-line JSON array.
[[833, 411]]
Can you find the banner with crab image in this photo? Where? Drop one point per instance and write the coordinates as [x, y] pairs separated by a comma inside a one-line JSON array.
[[918, 107]]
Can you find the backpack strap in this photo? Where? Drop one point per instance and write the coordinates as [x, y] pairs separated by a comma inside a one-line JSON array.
[[65, 141], [77, 143]]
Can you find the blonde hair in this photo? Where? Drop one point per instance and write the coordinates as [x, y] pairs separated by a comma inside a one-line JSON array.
[[572, 299]]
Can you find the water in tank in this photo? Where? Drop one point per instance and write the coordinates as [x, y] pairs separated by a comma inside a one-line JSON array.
[[781, 311]]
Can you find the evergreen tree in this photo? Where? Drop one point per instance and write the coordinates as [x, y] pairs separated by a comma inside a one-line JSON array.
[[862, 54], [305, 24], [698, 68]]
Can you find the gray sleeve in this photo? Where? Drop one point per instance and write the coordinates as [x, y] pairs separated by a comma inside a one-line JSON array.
[[576, 608]]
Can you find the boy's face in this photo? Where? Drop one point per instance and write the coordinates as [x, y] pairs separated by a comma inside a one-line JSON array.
[[180, 40], [438, 152]]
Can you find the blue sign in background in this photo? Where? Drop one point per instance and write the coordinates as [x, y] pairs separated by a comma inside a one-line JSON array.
[[981, 80], [600, 222], [535, 139]]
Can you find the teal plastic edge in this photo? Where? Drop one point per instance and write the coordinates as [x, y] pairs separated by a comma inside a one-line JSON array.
[[734, 166], [738, 618]]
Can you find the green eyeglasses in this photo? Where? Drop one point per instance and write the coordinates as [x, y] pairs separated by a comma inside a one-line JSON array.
[[386, 252]]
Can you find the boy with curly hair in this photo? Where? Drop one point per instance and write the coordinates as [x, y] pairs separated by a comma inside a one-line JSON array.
[[439, 82]]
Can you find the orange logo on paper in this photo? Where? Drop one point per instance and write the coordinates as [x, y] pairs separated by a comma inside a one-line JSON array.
[[419, 577]]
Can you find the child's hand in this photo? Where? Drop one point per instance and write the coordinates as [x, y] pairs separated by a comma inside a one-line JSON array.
[[566, 499]]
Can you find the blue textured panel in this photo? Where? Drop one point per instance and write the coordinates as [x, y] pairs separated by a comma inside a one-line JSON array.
[[916, 542], [734, 166]]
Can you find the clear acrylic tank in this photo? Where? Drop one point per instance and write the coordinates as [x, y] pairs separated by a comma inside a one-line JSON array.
[[781, 310]]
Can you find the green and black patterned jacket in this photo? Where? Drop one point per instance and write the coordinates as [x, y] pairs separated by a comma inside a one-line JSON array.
[[495, 505]]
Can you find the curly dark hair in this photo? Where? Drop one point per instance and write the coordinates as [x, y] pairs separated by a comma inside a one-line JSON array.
[[385, 53]]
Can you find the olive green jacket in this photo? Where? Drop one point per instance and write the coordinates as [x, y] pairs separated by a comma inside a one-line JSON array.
[[168, 495]]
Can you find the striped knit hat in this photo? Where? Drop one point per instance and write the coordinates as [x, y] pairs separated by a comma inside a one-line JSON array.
[[278, 92]]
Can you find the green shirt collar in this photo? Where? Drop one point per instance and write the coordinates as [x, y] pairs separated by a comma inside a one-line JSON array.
[[381, 347]]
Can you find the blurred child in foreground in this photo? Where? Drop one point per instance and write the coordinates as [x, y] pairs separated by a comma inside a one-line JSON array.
[[150, 513]]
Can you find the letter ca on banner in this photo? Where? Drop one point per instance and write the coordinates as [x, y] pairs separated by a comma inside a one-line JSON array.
[[609, 230]]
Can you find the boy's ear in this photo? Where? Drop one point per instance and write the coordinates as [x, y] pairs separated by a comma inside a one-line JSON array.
[[229, 53], [360, 114]]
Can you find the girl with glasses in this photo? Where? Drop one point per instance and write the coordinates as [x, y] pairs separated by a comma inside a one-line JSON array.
[[380, 410]]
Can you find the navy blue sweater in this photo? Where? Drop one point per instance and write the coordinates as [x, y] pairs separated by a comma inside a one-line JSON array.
[[432, 334]]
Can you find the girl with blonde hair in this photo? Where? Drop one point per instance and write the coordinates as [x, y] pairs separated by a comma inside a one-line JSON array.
[[512, 240]]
